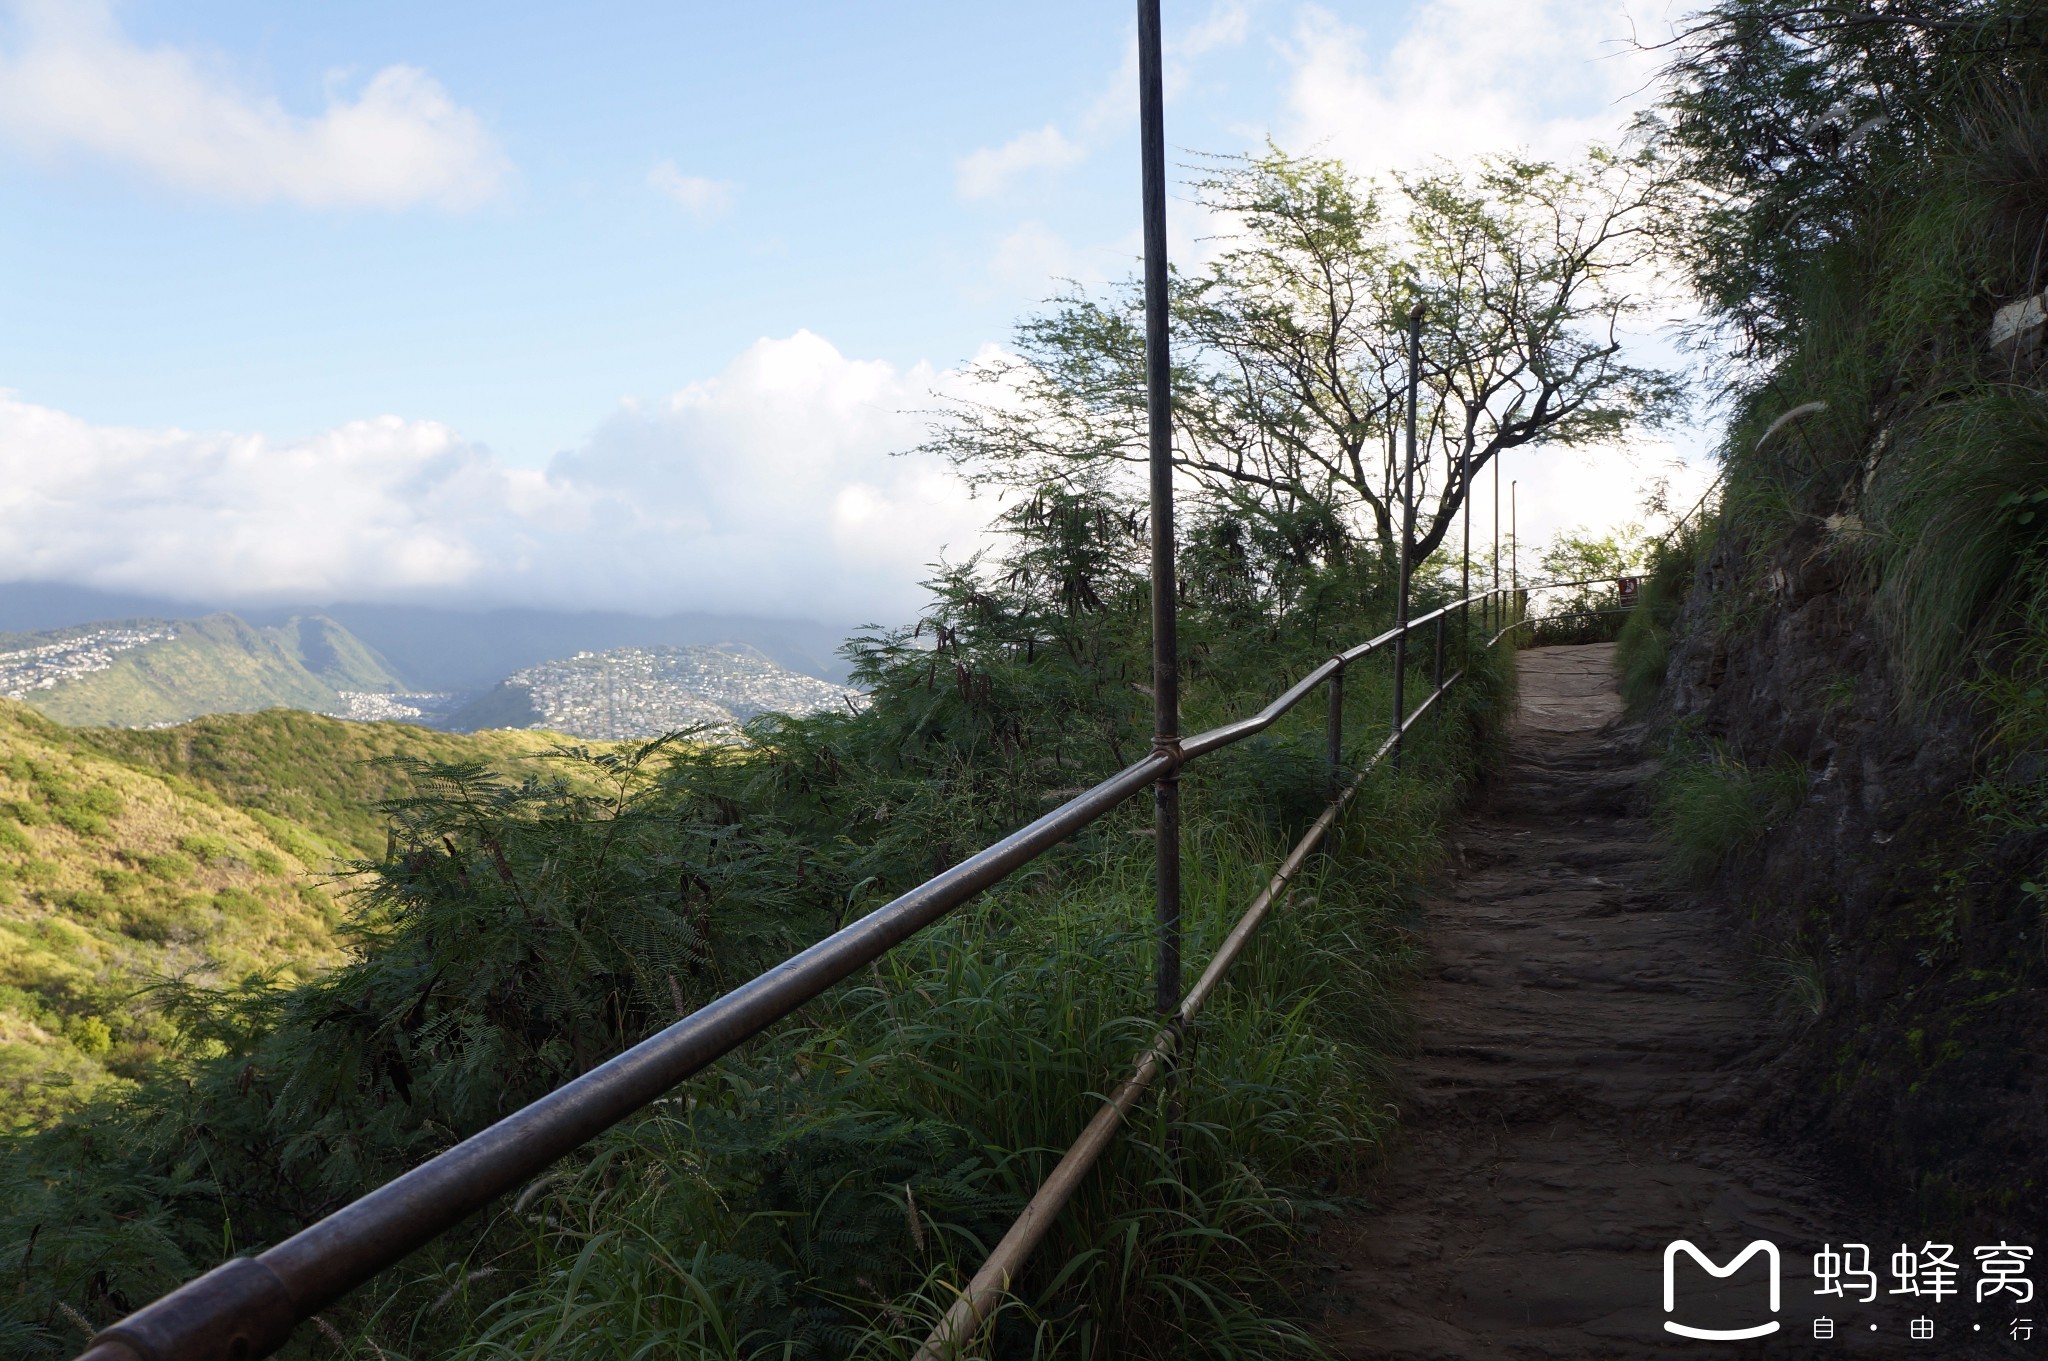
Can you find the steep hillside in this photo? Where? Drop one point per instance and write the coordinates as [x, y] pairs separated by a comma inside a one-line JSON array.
[[111, 876], [1852, 683], [208, 850], [143, 672], [304, 768]]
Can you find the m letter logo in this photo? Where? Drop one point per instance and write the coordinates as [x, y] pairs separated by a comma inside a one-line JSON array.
[[1671, 1251]]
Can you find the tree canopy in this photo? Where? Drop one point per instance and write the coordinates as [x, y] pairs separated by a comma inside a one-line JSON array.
[[1289, 346], [1795, 127]]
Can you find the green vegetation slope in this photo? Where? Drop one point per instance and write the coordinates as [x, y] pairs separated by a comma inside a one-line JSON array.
[[110, 876], [206, 851], [826, 1189], [286, 766], [1852, 653]]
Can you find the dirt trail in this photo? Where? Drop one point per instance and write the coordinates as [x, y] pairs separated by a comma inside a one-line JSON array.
[[1579, 1095]]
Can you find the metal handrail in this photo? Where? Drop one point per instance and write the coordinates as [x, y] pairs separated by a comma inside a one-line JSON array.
[[1013, 1252], [247, 1306]]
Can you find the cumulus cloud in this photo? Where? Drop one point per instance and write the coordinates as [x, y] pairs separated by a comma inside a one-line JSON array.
[[1468, 76], [769, 488], [71, 81], [703, 198], [988, 171]]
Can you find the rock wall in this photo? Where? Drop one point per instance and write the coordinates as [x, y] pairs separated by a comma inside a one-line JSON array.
[[1926, 1068]]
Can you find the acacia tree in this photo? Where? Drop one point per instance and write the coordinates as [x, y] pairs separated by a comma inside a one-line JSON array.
[[1289, 348]]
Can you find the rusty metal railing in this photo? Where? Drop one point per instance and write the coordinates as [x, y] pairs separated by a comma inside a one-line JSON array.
[[985, 1291], [247, 1307]]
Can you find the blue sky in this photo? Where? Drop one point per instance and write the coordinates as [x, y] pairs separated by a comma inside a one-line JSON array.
[[438, 301]]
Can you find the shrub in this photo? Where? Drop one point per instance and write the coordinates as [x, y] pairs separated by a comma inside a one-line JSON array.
[[90, 1035], [238, 902], [170, 866], [1710, 806], [87, 905], [207, 850], [1642, 648]]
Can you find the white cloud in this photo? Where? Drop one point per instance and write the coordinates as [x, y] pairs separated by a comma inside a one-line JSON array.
[[1226, 25], [1468, 76], [986, 172], [769, 488], [705, 199], [989, 171], [1033, 261], [71, 81]]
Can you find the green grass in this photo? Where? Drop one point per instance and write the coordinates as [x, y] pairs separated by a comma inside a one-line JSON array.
[[908, 1117], [1711, 807], [1642, 646], [1798, 979], [1964, 532]]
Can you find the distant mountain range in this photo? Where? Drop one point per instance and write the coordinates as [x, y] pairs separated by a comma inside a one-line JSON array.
[[139, 673], [434, 648], [136, 673]]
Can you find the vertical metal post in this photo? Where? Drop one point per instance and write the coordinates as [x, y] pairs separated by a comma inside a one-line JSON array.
[[1407, 534], [1465, 568], [1437, 681], [1336, 731], [1514, 559], [1159, 421], [1495, 625]]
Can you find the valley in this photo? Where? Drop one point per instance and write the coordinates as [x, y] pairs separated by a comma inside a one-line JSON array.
[[208, 853], [145, 673]]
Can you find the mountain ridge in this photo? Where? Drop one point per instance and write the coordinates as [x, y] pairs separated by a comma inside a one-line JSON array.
[[443, 647], [146, 672]]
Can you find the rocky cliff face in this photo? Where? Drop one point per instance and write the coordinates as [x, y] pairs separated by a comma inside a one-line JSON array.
[[1927, 1063]]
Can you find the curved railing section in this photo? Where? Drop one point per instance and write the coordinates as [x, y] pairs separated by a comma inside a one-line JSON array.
[[247, 1307]]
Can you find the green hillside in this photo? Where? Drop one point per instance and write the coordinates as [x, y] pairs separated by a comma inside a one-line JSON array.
[[304, 768], [218, 664], [206, 850]]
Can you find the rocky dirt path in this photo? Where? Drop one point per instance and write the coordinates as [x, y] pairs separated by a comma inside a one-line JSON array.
[[1579, 1095]]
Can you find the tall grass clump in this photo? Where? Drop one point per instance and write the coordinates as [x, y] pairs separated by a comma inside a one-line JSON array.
[[1858, 265], [1642, 647], [1711, 806], [1965, 532], [825, 1190]]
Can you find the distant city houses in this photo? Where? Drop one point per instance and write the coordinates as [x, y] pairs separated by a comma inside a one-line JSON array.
[[376, 707], [91, 649], [643, 692]]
